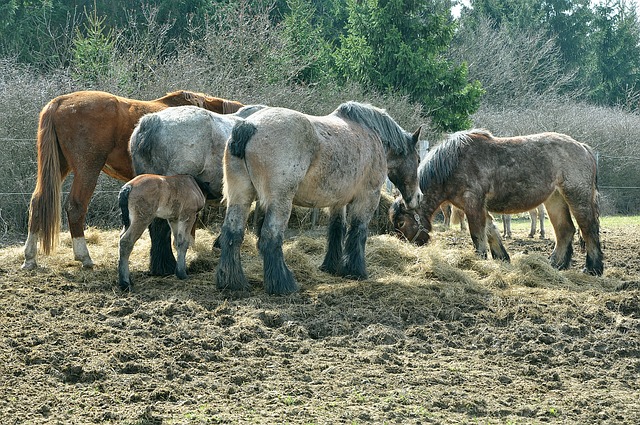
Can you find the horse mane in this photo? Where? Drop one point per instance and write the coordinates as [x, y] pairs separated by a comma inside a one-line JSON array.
[[442, 161], [377, 120], [205, 101]]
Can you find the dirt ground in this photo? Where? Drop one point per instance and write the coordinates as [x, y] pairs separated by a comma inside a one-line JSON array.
[[435, 335]]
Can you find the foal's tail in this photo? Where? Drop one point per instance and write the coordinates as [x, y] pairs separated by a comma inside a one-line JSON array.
[[123, 201], [45, 210], [240, 136]]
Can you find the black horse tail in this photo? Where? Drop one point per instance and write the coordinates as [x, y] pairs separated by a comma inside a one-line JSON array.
[[123, 201], [240, 136]]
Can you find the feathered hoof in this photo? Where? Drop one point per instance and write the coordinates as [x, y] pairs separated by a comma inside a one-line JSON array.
[[29, 265], [125, 285], [230, 282], [164, 269]]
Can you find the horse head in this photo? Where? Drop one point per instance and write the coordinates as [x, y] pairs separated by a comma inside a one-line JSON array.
[[409, 223], [403, 170]]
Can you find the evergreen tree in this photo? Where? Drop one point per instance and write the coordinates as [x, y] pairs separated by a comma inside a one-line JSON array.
[[399, 45]]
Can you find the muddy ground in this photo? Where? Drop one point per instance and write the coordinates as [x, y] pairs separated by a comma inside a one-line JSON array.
[[434, 336]]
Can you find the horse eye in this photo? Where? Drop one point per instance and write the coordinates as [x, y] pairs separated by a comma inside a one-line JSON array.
[[400, 223]]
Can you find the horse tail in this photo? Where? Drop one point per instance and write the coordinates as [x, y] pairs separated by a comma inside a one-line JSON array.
[[46, 210], [240, 136], [123, 202], [141, 144]]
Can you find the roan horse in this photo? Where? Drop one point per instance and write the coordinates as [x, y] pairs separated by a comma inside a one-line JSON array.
[[479, 173], [85, 132], [283, 157], [177, 199], [182, 140]]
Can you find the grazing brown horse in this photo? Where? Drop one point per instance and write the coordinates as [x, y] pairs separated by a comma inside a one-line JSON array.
[[177, 199], [87, 132], [479, 173]]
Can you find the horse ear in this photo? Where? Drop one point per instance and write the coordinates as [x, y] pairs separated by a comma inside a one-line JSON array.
[[416, 136]]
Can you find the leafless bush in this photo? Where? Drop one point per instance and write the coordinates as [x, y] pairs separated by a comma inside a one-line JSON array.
[[512, 67]]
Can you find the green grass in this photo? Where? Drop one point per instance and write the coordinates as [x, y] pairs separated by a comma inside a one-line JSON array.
[[521, 222]]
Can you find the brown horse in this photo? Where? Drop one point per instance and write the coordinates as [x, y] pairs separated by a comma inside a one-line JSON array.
[[479, 173], [177, 199], [85, 132]]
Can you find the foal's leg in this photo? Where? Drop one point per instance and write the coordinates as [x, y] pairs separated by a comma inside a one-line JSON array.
[[335, 236], [181, 238], [127, 241], [560, 218], [278, 279], [533, 216], [498, 252]]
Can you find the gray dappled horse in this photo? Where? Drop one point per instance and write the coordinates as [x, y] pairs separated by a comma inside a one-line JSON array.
[[282, 157], [177, 199], [182, 140], [478, 172]]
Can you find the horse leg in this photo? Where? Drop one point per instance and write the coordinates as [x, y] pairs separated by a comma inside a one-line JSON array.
[[541, 217], [446, 213], [181, 238], [506, 225], [477, 218], [560, 217], [460, 214], [498, 251], [335, 236], [278, 279], [128, 239], [229, 274], [353, 260], [82, 188], [587, 218], [161, 259], [30, 251]]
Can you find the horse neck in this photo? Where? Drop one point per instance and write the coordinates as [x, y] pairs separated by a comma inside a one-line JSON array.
[[431, 201], [215, 104]]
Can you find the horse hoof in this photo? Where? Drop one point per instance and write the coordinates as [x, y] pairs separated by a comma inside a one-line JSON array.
[[29, 265], [125, 286], [87, 265]]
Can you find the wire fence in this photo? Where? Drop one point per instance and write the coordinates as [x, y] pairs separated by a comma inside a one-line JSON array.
[[16, 189]]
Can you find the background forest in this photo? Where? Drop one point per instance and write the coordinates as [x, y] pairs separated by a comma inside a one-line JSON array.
[[513, 67]]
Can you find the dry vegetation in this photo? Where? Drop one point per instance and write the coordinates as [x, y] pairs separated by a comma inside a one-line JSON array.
[[434, 336]]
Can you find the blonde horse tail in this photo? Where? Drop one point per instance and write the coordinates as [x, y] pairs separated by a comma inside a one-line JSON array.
[[45, 211]]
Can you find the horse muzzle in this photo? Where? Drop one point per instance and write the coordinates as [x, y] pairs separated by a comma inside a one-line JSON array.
[[413, 201]]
